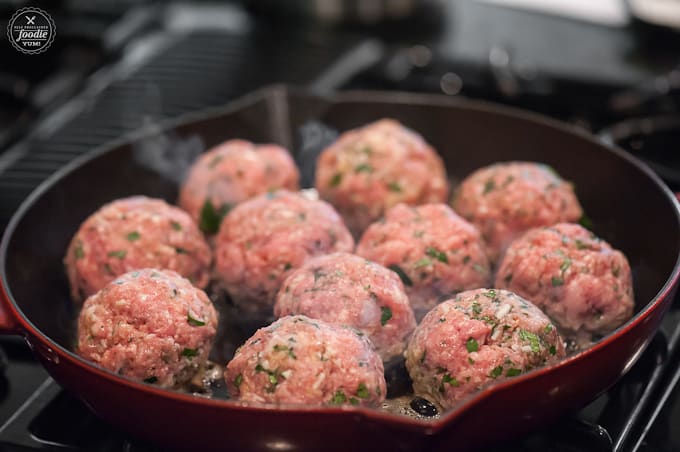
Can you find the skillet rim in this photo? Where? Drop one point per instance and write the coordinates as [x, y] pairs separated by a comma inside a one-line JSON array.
[[428, 426]]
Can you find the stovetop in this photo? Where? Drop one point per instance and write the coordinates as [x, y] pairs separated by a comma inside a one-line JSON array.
[[120, 65]]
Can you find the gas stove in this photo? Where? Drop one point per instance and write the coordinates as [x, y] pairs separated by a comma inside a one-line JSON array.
[[119, 65]]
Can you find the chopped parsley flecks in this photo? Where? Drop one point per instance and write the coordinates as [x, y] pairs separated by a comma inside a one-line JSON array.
[[152, 379], [78, 252], [287, 266], [491, 293], [496, 372], [193, 321], [190, 352], [394, 187], [385, 315], [176, 226], [180, 250], [585, 221], [353, 401], [338, 398], [402, 274], [489, 186], [476, 308], [466, 259], [363, 168], [472, 345], [334, 182], [533, 340], [133, 236], [513, 372], [616, 271], [238, 380], [548, 328], [552, 350], [211, 218], [556, 281], [215, 161], [362, 391], [285, 348], [566, 263], [120, 254], [424, 262], [450, 380], [580, 245], [435, 253]]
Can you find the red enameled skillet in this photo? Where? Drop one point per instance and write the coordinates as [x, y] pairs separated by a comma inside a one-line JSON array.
[[629, 207]]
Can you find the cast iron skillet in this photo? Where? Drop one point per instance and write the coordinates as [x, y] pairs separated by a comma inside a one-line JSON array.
[[629, 206]]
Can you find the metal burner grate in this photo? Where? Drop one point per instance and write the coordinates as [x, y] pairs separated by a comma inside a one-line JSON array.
[[164, 77]]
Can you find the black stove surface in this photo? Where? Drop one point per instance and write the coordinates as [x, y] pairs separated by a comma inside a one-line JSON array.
[[144, 61]]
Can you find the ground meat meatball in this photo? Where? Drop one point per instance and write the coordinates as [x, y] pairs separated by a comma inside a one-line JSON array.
[[132, 233], [506, 199], [575, 278], [481, 335], [434, 251], [230, 173], [346, 289], [265, 238], [149, 325], [368, 170], [307, 361]]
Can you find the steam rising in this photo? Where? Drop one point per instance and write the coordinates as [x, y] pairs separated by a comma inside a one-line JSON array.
[[168, 154]]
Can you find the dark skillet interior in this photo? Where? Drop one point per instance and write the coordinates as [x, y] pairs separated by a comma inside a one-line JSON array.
[[627, 207]]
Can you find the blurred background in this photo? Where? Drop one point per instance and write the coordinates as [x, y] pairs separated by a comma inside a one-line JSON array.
[[611, 67]]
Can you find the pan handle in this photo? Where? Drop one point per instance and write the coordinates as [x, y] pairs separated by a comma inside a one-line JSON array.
[[8, 323]]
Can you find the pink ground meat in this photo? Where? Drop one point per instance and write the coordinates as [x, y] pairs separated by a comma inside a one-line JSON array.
[[578, 280], [132, 233], [476, 338], [298, 360], [149, 325], [370, 169], [345, 289], [506, 199], [265, 238], [230, 173], [436, 253]]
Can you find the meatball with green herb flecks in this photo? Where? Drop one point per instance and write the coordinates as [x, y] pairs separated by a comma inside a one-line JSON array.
[[150, 325], [476, 338], [435, 252], [298, 360], [506, 199], [262, 240], [349, 290], [131, 233], [229, 174], [577, 279], [370, 169]]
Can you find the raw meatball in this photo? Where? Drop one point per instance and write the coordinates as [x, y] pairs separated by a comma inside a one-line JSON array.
[[368, 170], [435, 252], [264, 239], [149, 325], [132, 233], [307, 361], [506, 199], [346, 289], [467, 342], [578, 280], [230, 173]]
